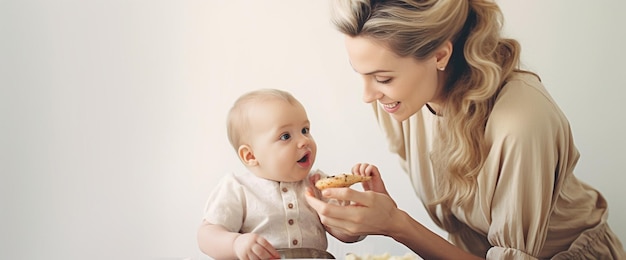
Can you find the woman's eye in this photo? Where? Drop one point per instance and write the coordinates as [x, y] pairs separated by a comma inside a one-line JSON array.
[[305, 130], [285, 137], [382, 80]]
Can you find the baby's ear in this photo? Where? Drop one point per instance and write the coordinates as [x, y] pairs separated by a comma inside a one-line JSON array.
[[246, 155]]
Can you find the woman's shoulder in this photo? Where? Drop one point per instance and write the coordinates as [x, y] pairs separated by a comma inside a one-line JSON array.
[[524, 87], [531, 81], [524, 107]]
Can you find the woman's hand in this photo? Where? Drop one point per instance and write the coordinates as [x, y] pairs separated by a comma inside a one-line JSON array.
[[372, 213], [377, 214], [376, 183]]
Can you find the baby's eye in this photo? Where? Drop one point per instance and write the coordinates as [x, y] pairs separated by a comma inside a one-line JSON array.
[[285, 137], [306, 130], [382, 80]]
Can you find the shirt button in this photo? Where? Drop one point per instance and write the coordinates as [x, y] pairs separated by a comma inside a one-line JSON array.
[[284, 189], [290, 222], [294, 242], [290, 205]]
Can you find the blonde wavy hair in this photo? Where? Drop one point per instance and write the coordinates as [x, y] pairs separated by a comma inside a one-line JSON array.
[[479, 65]]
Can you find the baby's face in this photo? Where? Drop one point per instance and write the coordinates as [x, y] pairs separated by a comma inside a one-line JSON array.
[[281, 140]]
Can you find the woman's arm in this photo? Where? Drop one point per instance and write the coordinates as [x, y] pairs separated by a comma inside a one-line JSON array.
[[343, 237], [377, 214], [424, 242]]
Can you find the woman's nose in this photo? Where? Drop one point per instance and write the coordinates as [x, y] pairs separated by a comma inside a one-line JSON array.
[[370, 93]]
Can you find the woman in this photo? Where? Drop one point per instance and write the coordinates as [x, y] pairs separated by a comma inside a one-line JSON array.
[[488, 151]]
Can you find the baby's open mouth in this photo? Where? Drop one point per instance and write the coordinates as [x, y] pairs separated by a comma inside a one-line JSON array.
[[304, 159]]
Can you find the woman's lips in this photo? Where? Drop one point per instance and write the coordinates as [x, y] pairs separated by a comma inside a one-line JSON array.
[[390, 107]]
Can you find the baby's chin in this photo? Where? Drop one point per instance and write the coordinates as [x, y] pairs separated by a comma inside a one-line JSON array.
[[300, 175]]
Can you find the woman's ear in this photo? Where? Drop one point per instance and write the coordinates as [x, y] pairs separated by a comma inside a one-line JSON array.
[[246, 155], [443, 54]]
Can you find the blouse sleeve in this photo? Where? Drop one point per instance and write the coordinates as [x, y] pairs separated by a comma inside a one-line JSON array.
[[526, 131], [225, 205]]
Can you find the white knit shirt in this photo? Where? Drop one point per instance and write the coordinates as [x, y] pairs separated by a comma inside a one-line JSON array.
[[278, 211]]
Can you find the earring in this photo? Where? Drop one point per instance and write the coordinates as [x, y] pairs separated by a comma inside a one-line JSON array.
[[441, 68]]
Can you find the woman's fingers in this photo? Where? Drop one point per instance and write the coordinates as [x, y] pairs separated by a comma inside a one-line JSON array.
[[336, 216], [370, 170], [366, 169], [370, 215], [361, 169], [321, 207], [347, 194], [335, 211], [355, 169], [376, 183]]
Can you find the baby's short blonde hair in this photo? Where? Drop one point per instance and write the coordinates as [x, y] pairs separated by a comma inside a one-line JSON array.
[[238, 121]]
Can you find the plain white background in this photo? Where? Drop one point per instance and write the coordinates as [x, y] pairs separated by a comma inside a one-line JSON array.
[[112, 112]]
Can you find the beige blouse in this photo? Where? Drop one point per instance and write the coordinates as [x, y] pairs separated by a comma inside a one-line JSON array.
[[529, 204]]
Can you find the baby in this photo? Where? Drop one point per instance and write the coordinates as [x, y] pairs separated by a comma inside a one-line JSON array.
[[250, 215]]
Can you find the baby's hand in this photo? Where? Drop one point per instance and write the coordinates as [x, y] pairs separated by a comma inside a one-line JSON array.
[[253, 246], [313, 178], [315, 192]]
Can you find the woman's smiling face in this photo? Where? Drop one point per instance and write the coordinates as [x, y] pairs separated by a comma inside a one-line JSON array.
[[401, 85]]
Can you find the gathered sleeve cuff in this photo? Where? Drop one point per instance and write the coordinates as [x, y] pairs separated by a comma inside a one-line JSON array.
[[225, 205], [508, 253]]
